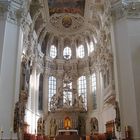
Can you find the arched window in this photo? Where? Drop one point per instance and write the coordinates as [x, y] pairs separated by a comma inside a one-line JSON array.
[[81, 51], [91, 46], [53, 51], [40, 96], [82, 89], [67, 53], [67, 94], [52, 89], [93, 80]]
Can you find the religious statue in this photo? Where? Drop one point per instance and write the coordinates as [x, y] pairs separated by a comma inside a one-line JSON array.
[[81, 125], [75, 98], [25, 74], [94, 125], [81, 101], [53, 102], [117, 119], [40, 126], [67, 103], [67, 77], [19, 114], [53, 127], [60, 97]]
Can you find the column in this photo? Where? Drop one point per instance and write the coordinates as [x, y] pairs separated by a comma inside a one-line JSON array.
[[45, 92], [60, 48], [37, 112], [73, 49], [11, 39], [74, 90], [100, 101], [59, 79], [48, 45], [33, 98], [89, 93], [126, 35]]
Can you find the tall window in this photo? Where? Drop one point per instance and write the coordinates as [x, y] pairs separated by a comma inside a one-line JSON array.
[[53, 51], [67, 53], [93, 79], [52, 89], [91, 46], [40, 96], [67, 94], [82, 89], [81, 52]]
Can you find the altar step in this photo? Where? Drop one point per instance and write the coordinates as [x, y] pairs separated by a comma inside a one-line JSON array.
[[67, 137]]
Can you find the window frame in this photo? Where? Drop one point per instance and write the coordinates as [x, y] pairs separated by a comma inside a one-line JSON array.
[[81, 51], [51, 89], [82, 89], [53, 51], [67, 51]]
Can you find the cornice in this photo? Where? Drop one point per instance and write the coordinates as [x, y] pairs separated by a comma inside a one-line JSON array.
[[12, 11], [128, 9]]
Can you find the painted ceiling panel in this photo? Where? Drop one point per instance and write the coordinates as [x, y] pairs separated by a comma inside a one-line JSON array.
[[66, 6]]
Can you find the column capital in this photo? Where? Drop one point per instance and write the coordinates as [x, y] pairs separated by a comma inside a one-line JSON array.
[[13, 11]]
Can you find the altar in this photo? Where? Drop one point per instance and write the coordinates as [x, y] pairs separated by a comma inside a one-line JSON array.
[[68, 132]]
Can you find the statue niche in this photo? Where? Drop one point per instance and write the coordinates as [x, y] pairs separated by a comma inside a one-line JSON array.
[[67, 123]]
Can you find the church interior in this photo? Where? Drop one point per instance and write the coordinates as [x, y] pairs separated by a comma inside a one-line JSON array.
[[69, 69]]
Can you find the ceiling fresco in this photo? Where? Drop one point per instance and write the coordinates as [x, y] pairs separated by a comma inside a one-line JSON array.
[[66, 6]]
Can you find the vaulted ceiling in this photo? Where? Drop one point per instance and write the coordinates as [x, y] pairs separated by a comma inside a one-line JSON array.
[[69, 18]]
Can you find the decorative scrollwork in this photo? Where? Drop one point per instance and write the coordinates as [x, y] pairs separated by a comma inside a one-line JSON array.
[[68, 22]]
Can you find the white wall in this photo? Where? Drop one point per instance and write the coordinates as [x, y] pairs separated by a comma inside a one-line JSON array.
[[127, 94], [134, 42], [108, 114]]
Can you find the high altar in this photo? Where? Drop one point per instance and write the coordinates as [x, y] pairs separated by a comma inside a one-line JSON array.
[[66, 110], [66, 123]]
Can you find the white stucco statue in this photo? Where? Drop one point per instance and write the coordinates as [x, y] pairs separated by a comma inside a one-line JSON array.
[[81, 101]]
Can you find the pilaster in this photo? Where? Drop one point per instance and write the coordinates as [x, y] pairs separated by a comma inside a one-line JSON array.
[[89, 95], [11, 42], [45, 93], [126, 41]]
